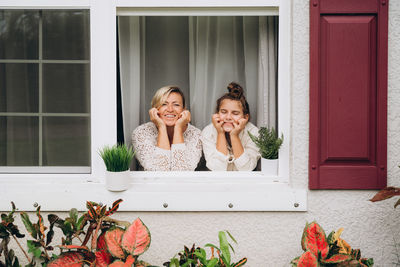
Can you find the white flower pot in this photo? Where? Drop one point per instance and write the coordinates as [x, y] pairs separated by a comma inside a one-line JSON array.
[[118, 181], [269, 167]]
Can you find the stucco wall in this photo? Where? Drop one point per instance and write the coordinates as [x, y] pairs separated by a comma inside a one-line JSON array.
[[273, 238]]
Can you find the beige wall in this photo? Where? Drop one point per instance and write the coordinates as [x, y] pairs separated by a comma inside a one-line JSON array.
[[273, 238]]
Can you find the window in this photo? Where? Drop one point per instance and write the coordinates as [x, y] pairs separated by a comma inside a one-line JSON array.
[[202, 55], [236, 192], [44, 90]]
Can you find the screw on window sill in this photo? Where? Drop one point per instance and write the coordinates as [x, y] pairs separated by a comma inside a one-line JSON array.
[[296, 205], [165, 205], [35, 205], [230, 205]]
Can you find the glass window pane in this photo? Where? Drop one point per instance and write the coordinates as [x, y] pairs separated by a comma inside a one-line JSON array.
[[19, 34], [19, 87], [66, 141], [19, 141], [66, 88], [66, 34]]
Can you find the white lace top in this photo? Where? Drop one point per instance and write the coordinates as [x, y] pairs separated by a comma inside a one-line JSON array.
[[217, 161], [181, 157]]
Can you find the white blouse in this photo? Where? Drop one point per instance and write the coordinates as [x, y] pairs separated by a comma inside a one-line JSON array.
[[181, 157], [217, 161]]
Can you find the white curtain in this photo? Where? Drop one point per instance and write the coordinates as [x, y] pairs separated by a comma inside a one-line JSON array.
[[201, 55]]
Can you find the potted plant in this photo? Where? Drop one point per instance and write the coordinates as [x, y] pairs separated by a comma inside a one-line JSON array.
[[117, 159], [269, 143]]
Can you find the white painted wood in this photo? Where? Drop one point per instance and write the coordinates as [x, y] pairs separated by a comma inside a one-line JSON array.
[[198, 3], [194, 195], [44, 4], [199, 11], [207, 191], [103, 81]]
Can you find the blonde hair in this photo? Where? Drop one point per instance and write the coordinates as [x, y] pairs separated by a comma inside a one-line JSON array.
[[162, 93]]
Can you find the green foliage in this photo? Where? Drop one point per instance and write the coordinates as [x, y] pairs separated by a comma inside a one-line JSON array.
[[8, 229], [268, 142], [198, 257], [117, 158]]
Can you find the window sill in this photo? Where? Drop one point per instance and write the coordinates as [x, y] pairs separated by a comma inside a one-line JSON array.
[[154, 193]]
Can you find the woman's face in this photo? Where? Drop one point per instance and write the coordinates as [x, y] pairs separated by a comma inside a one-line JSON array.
[[171, 108], [230, 111]]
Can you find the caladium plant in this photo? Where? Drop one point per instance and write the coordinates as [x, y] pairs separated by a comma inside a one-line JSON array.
[[321, 251]]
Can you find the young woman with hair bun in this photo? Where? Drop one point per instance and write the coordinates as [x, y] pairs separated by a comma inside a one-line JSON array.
[[226, 143]]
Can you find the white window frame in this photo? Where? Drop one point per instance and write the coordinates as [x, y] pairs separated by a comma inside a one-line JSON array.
[[159, 191]]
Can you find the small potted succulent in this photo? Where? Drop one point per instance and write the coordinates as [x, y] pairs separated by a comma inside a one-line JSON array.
[[269, 143], [117, 159]]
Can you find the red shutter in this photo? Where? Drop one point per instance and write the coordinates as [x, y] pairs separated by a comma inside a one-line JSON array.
[[348, 94]]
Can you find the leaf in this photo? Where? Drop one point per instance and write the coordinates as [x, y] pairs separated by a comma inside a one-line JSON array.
[[174, 263], [91, 211], [113, 239], [34, 248], [68, 259], [231, 236], [356, 254], [224, 246], [338, 258], [136, 239], [117, 263], [103, 258], [308, 259], [240, 263], [386, 193], [114, 207], [28, 225], [314, 240], [212, 246], [212, 262], [40, 223], [73, 213], [397, 203]]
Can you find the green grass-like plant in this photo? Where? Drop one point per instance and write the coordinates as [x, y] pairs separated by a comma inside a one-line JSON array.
[[268, 142], [117, 158]]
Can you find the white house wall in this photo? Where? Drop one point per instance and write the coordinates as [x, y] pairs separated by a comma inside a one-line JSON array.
[[273, 238]]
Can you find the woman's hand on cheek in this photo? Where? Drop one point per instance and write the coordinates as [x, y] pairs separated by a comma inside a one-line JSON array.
[[239, 126], [184, 119], [155, 118], [217, 122]]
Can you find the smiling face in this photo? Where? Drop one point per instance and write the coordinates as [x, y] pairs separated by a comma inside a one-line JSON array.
[[171, 108], [230, 111]]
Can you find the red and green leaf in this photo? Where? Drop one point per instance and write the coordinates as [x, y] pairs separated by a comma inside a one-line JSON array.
[[91, 210], [295, 261], [114, 207], [240, 263], [386, 193], [113, 239], [338, 258], [314, 240], [308, 259], [136, 239], [68, 259], [103, 258]]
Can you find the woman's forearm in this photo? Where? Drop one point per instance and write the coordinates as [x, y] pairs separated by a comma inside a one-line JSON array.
[[222, 145], [178, 135], [237, 146], [162, 139]]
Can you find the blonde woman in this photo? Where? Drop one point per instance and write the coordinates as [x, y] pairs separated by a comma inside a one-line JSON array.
[[169, 142]]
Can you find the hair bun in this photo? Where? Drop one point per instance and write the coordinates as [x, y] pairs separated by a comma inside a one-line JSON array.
[[235, 90]]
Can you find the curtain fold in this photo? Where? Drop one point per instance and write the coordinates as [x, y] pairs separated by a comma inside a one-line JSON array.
[[201, 55]]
